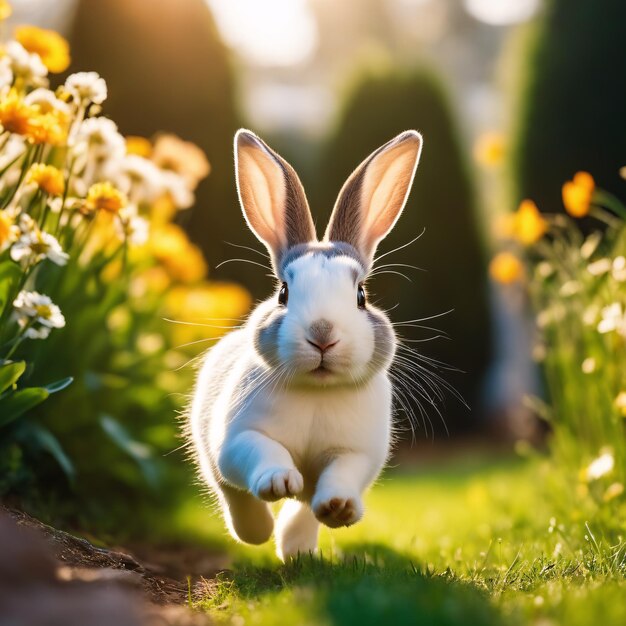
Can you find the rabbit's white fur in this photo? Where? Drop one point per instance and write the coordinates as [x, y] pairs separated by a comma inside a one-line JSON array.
[[275, 415]]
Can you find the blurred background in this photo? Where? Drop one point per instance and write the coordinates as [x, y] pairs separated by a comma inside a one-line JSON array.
[[489, 83]]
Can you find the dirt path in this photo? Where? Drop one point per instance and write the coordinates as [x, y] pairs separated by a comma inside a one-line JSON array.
[[50, 577]]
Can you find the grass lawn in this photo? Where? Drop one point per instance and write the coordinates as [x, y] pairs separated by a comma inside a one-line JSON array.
[[469, 543]]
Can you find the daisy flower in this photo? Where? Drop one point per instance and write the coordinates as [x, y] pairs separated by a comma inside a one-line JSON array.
[[86, 88], [35, 245], [37, 314]]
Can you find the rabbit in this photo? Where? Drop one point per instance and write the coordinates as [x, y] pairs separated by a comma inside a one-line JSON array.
[[297, 403]]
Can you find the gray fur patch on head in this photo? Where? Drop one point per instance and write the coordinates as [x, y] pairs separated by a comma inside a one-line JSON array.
[[266, 336], [384, 339], [329, 250]]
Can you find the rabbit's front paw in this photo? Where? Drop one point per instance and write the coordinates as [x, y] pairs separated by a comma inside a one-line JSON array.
[[337, 510], [278, 483]]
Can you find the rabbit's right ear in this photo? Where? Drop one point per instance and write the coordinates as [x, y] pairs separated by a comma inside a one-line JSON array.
[[271, 196]]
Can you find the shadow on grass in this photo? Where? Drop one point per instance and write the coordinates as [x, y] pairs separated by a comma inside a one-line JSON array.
[[368, 584]]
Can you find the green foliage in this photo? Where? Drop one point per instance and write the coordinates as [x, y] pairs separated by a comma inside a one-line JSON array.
[[441, 203], [572, 100]]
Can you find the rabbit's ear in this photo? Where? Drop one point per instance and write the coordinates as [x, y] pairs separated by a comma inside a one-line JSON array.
[[373, 197], [271, 196]]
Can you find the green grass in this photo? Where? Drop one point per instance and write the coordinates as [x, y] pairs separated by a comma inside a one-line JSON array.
[[474, 543]]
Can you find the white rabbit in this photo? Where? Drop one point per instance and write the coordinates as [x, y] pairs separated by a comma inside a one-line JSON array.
[[298, 403]]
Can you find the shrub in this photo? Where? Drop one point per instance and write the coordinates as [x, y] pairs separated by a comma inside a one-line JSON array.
[[571, 100]]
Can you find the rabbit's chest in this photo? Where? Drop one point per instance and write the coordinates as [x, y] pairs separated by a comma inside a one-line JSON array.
[[313, 425]]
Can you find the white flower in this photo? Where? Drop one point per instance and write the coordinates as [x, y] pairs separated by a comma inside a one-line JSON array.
[[37, 314], [599, 267], [47, 101], [131, 227], [619, 269], [138, 178], [590, 245], [25, 65], [34, 246], [178, 189], [87, 87], [102, 138], [613, 319], [570, 288], [600, 466]]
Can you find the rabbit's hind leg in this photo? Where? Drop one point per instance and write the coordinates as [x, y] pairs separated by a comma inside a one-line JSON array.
[[296, 530], [248, 519]]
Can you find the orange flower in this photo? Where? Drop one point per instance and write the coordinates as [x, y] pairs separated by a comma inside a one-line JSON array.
[[526, 225], [183, 157], [578, 193], [506, 268], [529, 226], [53, 49]]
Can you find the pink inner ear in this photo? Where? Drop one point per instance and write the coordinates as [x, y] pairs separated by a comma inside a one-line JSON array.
[[262, 191], [386, 186]]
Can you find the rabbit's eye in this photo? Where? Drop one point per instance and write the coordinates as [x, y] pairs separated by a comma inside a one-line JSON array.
[[360, 297], [283, 295]]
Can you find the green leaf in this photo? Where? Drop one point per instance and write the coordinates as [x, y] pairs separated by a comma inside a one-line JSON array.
[[59, 385], [141, 453], [9, 374], [48, 442], [10, 273], [17, 403]]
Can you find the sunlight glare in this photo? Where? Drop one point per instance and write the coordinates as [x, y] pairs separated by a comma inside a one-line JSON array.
[[271, 32]]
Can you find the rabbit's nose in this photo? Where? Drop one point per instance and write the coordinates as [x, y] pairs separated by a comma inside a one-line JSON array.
[[323, 347], [320, 333]]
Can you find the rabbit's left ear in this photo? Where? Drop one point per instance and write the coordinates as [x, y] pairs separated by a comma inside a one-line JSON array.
[[373, 197], [271, 196]]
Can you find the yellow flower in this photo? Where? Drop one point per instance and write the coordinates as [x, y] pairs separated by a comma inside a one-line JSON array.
[[53, 49], [182, 259], [506, 268], [138, 145], [620, 403], [105, 197], [577, 194], [48, 178], [27, 119], [5, 10], [183, 157], [489, 149]]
